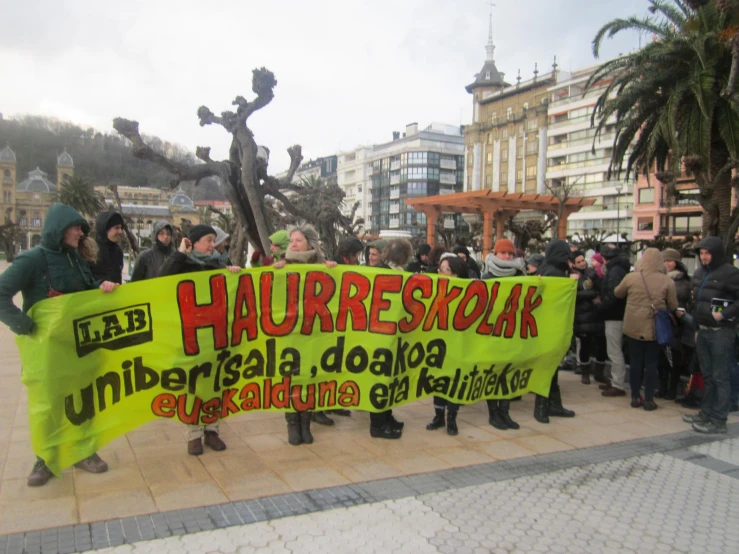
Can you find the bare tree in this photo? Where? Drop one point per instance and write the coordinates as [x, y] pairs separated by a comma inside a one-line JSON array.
[[562, 191], [245, 170]]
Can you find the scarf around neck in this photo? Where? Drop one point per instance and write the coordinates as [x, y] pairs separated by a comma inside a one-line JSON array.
[[501, 268], [198, 257], [307, 257]]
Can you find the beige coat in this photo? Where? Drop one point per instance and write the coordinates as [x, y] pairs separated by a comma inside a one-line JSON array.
[[639, 316]]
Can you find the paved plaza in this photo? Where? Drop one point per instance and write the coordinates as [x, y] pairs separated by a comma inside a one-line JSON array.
[[611, 479]]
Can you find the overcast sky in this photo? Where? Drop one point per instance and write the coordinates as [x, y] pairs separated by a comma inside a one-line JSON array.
[[349, 72]]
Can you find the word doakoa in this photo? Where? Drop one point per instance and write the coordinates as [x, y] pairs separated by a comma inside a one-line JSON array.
[[362, 305]]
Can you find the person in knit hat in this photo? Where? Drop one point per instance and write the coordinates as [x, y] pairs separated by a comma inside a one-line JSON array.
[[196, 254], [279, 241], [502, 262], [421, 263], [373, 254], [222, 244], [472, 268], [533, 263]]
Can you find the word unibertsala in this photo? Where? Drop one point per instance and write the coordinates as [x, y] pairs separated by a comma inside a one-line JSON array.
[[229, 368], [252, 311]]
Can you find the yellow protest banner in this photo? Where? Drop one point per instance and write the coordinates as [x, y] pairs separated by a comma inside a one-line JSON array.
[[205, 346]]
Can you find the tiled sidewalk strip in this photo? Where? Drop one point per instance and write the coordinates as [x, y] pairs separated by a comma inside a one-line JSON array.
[[181, 522]]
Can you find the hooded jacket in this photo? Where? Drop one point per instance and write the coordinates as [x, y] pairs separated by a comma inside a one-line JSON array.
[[718, 279], [556, 258], [151, 260], [639, 316], [109, 266], [586, 317], [67, 270], [610, 307]]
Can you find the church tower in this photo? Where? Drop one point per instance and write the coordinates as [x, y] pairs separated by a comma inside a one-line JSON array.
[[64, 167], [8, 179]]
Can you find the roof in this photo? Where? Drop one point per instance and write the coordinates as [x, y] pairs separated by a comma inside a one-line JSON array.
[[65, 159], [7, 155], [479, 201], [489, 76], [141, 210], [37, 182], [180, 199]]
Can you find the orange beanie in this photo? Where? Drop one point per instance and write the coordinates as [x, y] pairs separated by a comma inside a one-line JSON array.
[[504, 245]]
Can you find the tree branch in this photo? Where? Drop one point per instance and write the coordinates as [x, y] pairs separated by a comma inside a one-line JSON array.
[[133, 241]]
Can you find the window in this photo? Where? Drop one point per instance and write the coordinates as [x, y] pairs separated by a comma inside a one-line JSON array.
[[519, 175], [509, 114], [36, 221], [490, 157], [6, 174], [525, 105], [490, 138], [504, 133], [532, 146], [531, 171], [645, 224], [487, 75], [488, 180], [520, 130], [7, 197], [504, 155], [494, 118], [532, 124], [646, 196], [503, 177]]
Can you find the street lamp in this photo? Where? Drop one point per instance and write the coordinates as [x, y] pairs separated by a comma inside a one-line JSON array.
[[619, 188]]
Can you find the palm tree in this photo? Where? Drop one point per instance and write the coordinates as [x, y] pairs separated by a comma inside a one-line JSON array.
[[674, 101], [79, 194]]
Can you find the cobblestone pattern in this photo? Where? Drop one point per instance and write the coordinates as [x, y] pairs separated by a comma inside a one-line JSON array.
[[182, 523], [654, 503], [727, 451]]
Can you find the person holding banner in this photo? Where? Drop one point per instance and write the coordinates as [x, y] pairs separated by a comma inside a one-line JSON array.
[[374, 254], [196, 254], [304, 247], [53, 268], [451, 265], [502, 263], [556, 264], [151, 260]]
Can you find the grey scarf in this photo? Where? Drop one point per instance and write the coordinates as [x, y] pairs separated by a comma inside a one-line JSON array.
[[198, 258], [308, 257], [502, 268]]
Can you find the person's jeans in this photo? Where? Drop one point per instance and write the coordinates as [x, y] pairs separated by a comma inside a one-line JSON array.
[[614, 345], [644, 359], [714, 349]]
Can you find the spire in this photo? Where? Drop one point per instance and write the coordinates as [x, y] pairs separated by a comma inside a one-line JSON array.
[[490, 46]]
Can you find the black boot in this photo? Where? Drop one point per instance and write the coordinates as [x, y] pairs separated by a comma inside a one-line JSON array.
[[293, 428], [321, 418], [305, 433], [541, 409], [504, 407], [451, 423], [599, 373], [438, 421], [585, 373], [495, 418], [555, 404]]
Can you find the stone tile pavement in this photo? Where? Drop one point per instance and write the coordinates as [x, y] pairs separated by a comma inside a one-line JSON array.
[[154, 489]]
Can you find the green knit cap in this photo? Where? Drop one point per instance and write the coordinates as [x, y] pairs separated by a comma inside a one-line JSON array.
[[281, 239]]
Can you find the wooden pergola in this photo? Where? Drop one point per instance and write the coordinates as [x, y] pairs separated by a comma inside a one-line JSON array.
[[493, 206]]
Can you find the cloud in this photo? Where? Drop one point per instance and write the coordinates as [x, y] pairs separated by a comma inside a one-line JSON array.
[[349, 71]]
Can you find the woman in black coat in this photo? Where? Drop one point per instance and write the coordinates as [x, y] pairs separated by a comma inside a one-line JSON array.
[[589, 327], [196, 254]]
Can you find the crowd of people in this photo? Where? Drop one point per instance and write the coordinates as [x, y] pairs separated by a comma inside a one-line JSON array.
[[613, 302]]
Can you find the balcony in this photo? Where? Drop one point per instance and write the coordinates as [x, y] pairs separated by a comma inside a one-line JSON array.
[[578, 165], [394, 166], [573, 121], [395, 193], [395, 179], [395, 209], [394, 223], [446, 190], [448, 164], [448, 178], [571, 98]]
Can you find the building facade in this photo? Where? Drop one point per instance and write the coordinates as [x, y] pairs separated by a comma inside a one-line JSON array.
[[320, 168], [27, 202], [578, 163], [417, 163]]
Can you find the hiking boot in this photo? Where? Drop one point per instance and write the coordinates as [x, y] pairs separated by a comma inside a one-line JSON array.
[[585, 374], [385, 432], [214, 441], [710, 427], [321, 418], [40, 474], [293, 428], [195, 447], [451, 424], [700, 417], [613, 391], [504, 407], [305, 434], [438, 421], [93, 464]]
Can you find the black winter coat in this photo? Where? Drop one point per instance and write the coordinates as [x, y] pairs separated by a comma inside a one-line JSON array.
[[716, 280], [179, 263], [109, 266], [151, 260], [587, 320], [610, 307], [556, 258], [683, 333]]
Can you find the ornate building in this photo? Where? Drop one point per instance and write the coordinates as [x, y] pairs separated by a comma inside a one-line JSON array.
[[26, 203]]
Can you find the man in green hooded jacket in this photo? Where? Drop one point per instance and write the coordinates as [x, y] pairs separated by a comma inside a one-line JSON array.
[[52, 268]]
